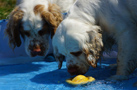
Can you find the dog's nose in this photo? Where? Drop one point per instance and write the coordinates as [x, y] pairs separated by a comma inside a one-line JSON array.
[[73, 70], [36, 50]]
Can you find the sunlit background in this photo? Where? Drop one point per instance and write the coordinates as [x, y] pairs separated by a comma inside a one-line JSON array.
[[6, 6]]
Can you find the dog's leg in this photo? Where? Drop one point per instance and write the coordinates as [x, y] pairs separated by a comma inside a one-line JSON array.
[[127, 52]]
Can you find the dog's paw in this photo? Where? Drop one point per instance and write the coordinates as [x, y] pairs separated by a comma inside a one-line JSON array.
[[117, 78]]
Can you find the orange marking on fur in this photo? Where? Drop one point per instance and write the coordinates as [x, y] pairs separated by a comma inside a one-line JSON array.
[[38, 9]]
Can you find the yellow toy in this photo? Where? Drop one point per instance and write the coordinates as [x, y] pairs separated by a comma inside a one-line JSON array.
[[80, 79]]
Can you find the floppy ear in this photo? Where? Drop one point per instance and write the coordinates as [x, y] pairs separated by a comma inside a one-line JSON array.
[[53, 16], [59, 58], [13, 26], [93, 48]]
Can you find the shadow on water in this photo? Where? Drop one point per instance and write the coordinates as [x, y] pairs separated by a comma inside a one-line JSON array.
[[19, 69], [59, 76], [52, 77]]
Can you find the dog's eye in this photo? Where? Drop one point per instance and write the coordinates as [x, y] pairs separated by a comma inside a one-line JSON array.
[[78, 53], [27, 33], [42, 32]]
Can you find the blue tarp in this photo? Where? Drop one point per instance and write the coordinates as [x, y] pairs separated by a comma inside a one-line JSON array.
[[45, 76]]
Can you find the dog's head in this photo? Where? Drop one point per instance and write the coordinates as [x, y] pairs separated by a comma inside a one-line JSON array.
[[79, 43], [36, 24]]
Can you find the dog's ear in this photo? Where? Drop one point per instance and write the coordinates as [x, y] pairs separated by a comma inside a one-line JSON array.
[[90, 57], [53, 16], [59, 58], [93, 47], [13, 27]]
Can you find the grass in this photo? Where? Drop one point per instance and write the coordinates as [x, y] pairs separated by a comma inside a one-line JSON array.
[[6, 6]]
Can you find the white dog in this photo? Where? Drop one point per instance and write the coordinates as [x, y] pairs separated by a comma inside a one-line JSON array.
[[92, 25], [8, 56], [33, 24]]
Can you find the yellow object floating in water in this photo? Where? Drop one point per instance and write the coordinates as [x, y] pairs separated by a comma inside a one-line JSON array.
[[80, 79]]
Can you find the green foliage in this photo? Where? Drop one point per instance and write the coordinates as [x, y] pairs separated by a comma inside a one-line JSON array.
[[6, 6]]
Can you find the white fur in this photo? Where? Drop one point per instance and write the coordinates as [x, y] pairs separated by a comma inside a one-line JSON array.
[[64, 5], [33, 23], [16, 56], [117, 18]]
